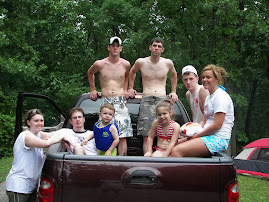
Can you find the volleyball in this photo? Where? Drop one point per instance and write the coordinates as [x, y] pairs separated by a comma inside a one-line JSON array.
[[190, 129]]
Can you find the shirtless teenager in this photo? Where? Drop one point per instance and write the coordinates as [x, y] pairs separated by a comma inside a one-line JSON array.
[[196, 93], [154, 70], [113, 77]]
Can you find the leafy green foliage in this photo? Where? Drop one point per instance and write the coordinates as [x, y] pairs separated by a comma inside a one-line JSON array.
[[6, 135], [47, 47]]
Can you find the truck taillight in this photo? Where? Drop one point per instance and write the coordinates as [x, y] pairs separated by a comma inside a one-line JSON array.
[[46, 191], [233, 193]]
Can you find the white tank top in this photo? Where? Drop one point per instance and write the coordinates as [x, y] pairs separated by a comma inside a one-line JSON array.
[[197, 114]]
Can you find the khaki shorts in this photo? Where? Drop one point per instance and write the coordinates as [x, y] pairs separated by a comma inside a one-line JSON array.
[[122, 117], [147, 114]]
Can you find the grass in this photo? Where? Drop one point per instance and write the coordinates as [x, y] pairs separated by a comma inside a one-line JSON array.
[[5, 165], [251, 189]]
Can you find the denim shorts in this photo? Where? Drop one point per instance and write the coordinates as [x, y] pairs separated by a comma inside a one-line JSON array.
[[215, 143]]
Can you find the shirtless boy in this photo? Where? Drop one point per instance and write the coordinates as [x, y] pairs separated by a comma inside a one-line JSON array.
[[113, 77], [196, 93], [154, 70]]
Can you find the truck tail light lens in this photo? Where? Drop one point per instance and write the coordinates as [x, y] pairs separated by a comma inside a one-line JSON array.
[[233, 193], [46, 191]]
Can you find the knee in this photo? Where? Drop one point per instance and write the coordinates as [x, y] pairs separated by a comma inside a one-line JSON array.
[[78, 149], [176, 152]]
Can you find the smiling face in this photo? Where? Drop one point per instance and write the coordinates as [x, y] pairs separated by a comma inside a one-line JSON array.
[[163, 115], [36, 123], [77, 120], [106, 115], [209, 81], [190, 81]]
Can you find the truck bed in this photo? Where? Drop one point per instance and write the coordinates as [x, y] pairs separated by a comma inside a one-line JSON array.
[[129, 178]]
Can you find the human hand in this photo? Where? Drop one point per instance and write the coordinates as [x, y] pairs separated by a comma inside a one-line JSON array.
[[126, 93], [84, 142], [93, 95], [132, 93], [173, 96], [67, 144], [108, 153], [148, 154]]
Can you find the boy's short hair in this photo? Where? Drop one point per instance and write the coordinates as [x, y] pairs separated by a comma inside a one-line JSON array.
[[157, 39], [75, 109], [109, 106]]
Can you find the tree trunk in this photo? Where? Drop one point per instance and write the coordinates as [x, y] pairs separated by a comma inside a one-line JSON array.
[[250, 107]]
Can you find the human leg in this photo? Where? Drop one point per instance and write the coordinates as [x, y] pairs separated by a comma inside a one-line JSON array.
[[145, 142], [158, 153], [79, 150], [191, 148], [122, 147], [147, 114], [20, 197]]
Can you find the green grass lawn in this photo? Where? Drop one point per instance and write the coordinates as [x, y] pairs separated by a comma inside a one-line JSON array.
[[250, 188]]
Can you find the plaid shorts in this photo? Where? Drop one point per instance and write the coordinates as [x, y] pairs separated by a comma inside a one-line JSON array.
[[215, 143]]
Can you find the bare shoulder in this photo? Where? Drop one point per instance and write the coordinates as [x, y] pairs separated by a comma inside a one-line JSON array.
[[99, 63], [175, 125], [155, 123], [125, 63], [203, 91], [167, 61], [112, 127], [142, 60]]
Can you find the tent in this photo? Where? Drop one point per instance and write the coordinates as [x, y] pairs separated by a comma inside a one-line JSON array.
[[254, 159]]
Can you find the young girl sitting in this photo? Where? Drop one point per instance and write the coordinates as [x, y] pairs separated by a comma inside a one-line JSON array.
[[167, 130], [106, 134]]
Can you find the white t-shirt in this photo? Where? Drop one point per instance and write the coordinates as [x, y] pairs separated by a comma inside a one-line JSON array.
[[197, 114], [77, 137], [26, 166], [220, 101]]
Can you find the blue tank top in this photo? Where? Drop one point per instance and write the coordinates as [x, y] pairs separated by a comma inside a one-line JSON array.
[[103, 137]]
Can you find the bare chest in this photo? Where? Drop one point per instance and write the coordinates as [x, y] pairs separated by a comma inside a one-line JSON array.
[[112, 71], [154, 71]]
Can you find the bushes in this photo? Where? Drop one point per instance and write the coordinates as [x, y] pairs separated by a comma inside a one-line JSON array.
[[7, 124]]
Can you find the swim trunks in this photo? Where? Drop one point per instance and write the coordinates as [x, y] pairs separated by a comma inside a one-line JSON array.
[[147, 114], [122, 117], [113, 153], [215, 143]]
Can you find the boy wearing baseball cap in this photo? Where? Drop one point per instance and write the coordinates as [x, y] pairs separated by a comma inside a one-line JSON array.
[[113, 77], [196, 93]]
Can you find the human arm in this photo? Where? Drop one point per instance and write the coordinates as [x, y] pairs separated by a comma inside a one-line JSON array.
[[132, 76], [174, 139], [116, 140], [173, 73], [203, 93], [216, 125], [91, 79], [128, 65], [151, 136], [85, 141], [46, 135], [33, 141]]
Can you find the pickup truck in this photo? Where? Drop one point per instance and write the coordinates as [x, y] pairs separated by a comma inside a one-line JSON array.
[[133, 177]]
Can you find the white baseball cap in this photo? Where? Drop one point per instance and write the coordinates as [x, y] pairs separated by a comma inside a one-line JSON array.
[[189, 68], [112, 39]]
